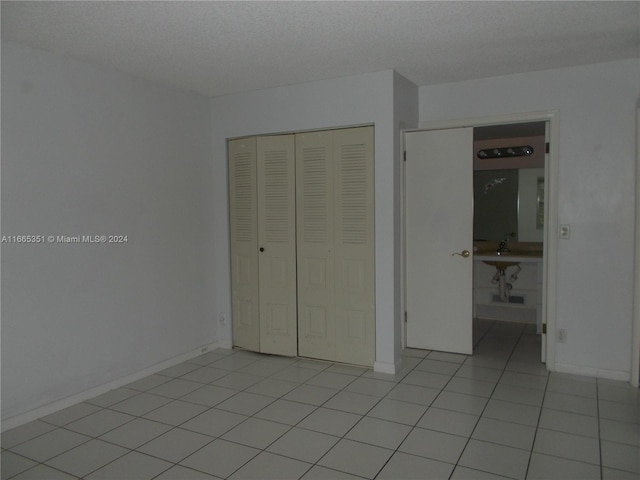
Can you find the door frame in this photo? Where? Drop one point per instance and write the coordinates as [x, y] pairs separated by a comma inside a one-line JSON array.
[[551, 225], [635, 327]]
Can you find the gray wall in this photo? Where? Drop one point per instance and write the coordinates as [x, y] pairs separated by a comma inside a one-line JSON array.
[[89, 151]]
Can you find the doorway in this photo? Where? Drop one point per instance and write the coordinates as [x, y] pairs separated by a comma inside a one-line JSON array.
[[454, 308]]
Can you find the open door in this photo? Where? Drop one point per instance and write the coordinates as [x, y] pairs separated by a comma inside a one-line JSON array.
[[543, 301], [439, 239]]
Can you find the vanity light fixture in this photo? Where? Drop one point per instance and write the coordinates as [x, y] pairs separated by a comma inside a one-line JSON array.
[[523, 151]]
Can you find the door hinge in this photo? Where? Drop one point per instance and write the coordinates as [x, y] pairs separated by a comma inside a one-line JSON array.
[[547, 148], [544, 328], [405, 155], [405, 317]]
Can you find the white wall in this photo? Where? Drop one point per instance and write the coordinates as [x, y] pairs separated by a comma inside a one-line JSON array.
[[356, 100], [90, 151], [406, 117], [596, 106]]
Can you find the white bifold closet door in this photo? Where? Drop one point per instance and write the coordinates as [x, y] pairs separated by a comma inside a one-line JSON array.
[[277, 245], [302, 244], [262, 221], [243, 223], [335, 245]]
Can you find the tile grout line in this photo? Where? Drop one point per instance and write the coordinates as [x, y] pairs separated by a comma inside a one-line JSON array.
[[535, 433], [290, 427], [219, 437], [599, 430], [361, 374], [487, 403], [414, 426], [213, 439]]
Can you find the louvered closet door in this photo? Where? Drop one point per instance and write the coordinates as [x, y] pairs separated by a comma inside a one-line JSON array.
[[354, 245], [316, 311], [335, 245], [277, 244], [244, 243]]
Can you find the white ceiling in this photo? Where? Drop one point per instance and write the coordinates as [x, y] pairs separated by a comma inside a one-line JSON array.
[[217, 48]]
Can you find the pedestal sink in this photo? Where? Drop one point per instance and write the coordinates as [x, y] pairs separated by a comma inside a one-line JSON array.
[[503, 261]]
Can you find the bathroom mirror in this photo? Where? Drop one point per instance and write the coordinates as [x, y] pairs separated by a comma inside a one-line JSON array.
[[495, 206], [509, 191], [508, 202]]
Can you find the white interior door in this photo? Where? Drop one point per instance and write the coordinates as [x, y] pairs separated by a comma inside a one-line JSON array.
[[439, 239], [277, 244]]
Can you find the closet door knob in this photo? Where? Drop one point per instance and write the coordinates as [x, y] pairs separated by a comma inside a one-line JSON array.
[[262, 249]]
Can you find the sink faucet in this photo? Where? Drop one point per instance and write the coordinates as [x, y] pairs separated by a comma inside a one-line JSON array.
[[502, 248]]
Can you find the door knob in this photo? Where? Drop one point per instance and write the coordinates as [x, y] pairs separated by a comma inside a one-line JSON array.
[[262, 249], [463, 253]]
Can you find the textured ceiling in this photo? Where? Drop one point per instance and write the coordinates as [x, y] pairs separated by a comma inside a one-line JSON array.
[[217, 48]]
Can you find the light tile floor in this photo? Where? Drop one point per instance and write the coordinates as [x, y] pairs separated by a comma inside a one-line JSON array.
[[240, 415]]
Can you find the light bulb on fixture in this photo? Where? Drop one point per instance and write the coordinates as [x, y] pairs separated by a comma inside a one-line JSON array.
[[523, 151]]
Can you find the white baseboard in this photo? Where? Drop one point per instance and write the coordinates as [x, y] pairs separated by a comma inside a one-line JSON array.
[[53, 407], [593, 372], [390, 368]]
